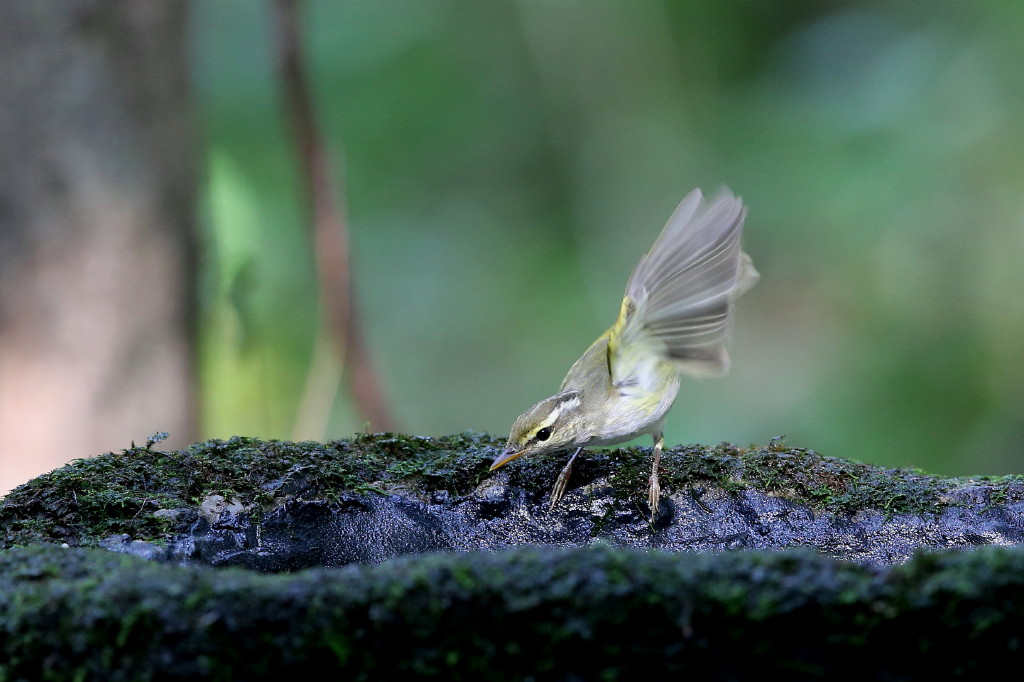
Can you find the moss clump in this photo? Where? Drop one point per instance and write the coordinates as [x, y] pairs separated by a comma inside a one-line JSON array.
[[587, 613], [129, 492], [803, 476], [121, 492]]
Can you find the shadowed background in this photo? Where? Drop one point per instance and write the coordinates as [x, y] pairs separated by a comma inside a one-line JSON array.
[[505, 165]]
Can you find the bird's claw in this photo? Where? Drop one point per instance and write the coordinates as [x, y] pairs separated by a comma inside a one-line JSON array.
[[654, 495], [559, 489], [562, 481]]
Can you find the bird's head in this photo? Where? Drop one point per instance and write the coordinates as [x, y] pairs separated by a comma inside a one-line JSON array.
[[552, 424]]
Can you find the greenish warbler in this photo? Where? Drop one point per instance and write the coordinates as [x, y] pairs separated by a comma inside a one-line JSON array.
[[674, 319]]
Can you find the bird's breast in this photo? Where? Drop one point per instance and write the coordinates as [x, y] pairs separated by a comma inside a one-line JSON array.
[[632, 411]]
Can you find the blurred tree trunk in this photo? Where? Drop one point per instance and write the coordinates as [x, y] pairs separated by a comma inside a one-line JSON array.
[[97, 188]]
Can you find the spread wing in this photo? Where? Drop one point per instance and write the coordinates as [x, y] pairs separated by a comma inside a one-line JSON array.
[[680, 294]]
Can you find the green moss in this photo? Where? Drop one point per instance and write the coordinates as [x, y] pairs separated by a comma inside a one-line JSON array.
[[539, 613], [125, 492], [120, 492], [805, 477]]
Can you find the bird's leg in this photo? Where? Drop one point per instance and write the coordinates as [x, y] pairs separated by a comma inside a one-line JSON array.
[[654, 494], [562, 481]]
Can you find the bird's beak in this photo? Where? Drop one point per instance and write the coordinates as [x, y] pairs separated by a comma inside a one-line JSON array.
[[505, 457]]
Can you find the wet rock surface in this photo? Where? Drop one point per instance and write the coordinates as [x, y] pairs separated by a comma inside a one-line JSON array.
[[400, 518], [372, 529], [305, 525]]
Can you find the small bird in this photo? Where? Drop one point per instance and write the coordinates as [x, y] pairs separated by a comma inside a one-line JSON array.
[[674, 319]]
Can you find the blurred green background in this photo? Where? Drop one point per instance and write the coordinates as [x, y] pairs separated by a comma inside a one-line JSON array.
[[507, 163]]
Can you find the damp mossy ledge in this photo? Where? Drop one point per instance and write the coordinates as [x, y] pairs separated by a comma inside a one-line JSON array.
[[126, 491], [137, 490], [595, 612]]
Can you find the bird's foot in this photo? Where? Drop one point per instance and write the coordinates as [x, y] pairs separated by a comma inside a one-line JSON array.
[[559, 490], [654, 495], [562, 481]]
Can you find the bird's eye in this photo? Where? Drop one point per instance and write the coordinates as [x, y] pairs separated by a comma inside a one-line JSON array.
[[544, 433]]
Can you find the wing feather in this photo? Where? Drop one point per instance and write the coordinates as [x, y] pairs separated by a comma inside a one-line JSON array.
[[680, 294]]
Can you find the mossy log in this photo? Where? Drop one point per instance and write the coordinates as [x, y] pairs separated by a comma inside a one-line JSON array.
[[530, 613], [276, 506], [483, 594]]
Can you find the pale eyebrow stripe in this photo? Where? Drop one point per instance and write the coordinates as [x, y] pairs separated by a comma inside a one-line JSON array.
[[568, 403]]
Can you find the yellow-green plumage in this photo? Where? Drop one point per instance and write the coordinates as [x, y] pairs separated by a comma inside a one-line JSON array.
[[673, 319]]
